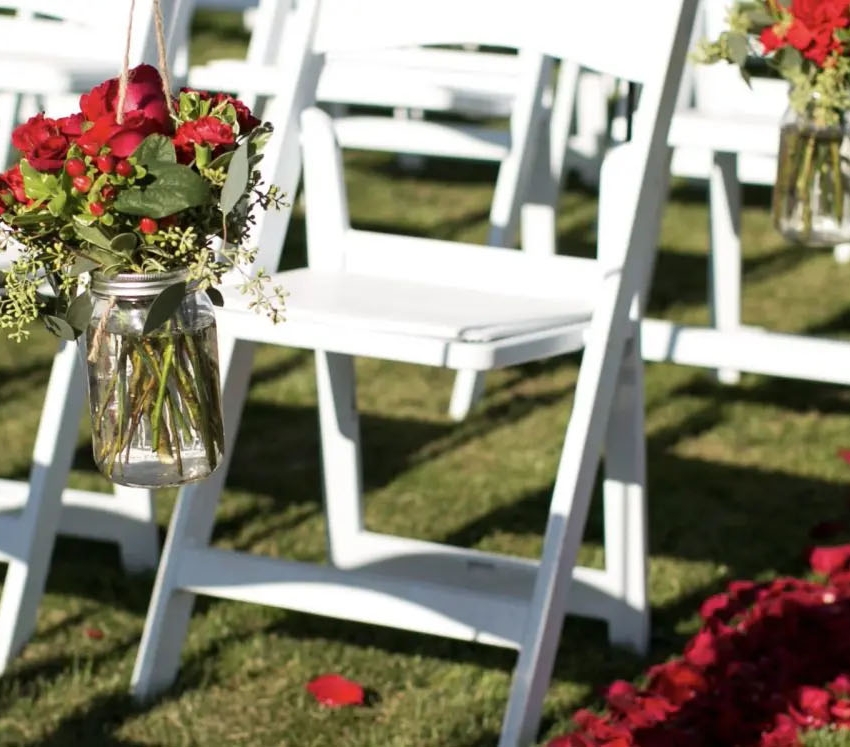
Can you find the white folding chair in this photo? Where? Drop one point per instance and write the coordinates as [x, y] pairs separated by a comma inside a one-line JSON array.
[[462, 306], [410, 82], [33, 511]]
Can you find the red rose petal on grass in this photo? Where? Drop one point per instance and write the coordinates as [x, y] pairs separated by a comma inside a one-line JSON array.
[[334, 690], [94, 633], [828, 560], [844, 454]]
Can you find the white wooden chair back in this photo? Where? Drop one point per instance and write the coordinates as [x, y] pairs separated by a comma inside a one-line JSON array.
[[556, 29]]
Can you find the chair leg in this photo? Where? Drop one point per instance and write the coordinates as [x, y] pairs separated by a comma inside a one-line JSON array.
[[580, 456], [725, 250], [468, 389], [139, 547], [625, 509], [38, 523], [170, 608], [340, 436]]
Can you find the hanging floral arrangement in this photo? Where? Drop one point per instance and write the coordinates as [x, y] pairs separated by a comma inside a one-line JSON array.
[[126, 215], [806, 43]]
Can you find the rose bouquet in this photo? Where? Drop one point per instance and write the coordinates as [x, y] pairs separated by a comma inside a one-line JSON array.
[[126, 215], [805, 42]]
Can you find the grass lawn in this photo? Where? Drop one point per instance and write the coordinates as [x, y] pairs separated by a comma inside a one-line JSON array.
[[737, 474]]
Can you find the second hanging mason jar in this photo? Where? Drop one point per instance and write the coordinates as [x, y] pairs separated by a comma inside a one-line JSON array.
[[811, 197], [154, 395]]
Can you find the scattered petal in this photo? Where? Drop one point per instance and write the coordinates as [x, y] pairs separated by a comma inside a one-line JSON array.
[[94, 633], [335, 691], [829, 560]]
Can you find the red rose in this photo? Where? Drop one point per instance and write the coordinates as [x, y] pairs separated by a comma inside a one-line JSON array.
[[206, 131], [144, 94], [42, 143], [121, 139], [71, 126], [812, 29], [244, 118], [14, 180]]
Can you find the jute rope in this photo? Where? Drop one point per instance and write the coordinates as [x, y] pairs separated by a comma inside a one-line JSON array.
[[162, 59]]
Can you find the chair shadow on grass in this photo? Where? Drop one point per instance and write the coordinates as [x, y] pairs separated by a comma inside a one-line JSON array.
[[699, 511]]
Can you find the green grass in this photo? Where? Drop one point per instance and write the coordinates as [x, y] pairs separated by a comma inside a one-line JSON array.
[[738, 475]]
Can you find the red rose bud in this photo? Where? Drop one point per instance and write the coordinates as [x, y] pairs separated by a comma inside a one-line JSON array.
[[124, 168], [148, 225], [97, 209], [105, 164], [75, 167], [89, 148], [82, 183]]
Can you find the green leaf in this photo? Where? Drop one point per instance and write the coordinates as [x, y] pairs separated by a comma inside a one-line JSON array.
[[30, 219], [174, 188], [83, 264], [738, 48], [215, 296], [237, 179], [759, 17], [222, 161], [124, 243], [79, 313], [789, 61], [59, 327], [155, 148], [93, 235], [57, 203], [164, 306], [37, 185]]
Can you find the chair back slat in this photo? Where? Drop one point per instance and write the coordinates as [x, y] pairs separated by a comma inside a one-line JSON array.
[[612, 36]]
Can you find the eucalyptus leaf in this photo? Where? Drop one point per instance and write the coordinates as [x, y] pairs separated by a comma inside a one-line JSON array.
[[215, 296], [124, 243], [174, 188], [237, 179], [164, 306], [760, 17], [59, 327], [155, 148], [738, 48], [83, 264], [222, 161], [79, 313], [93, 235]]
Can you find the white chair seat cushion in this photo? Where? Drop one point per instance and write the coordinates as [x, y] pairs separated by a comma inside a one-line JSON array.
[[378, 304]]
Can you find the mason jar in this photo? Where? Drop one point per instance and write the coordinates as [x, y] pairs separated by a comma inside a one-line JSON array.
[[811, 197], [153, 380]]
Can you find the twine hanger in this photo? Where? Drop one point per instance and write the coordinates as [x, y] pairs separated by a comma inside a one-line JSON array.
[[162, 60]]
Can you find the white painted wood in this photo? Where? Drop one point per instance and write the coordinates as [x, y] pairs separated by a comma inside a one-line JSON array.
[[724, 203], [464, 307]]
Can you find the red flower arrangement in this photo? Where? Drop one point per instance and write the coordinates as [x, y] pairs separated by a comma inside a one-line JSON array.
[[770, 662], [807, 42], [168, 172], [145, 191]]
